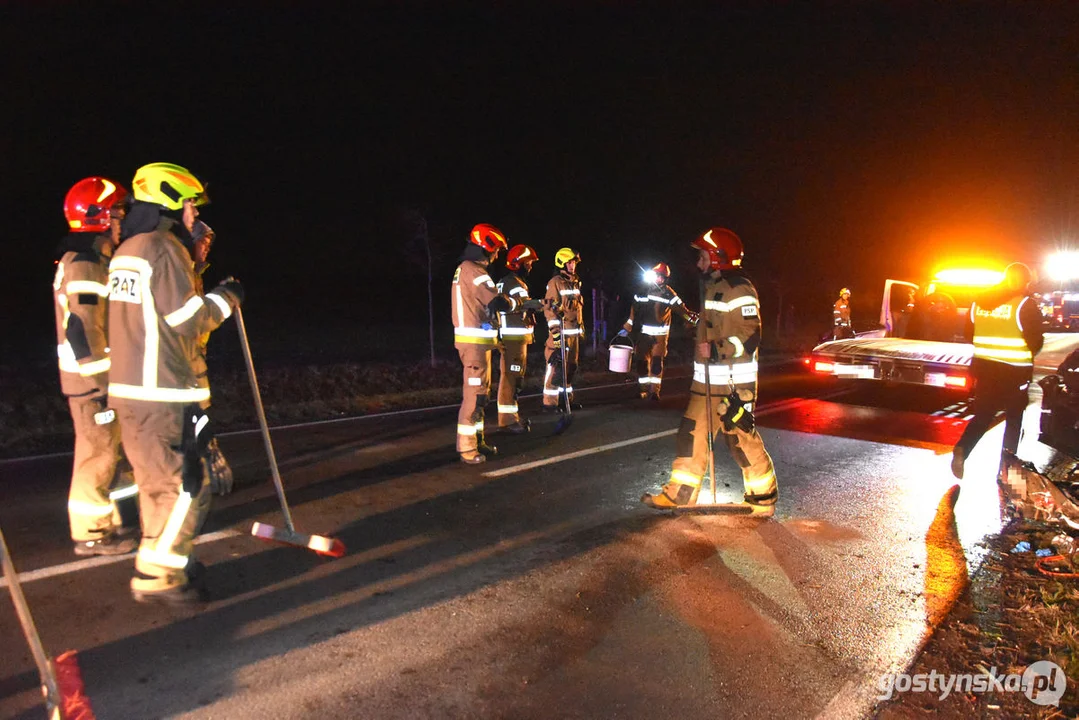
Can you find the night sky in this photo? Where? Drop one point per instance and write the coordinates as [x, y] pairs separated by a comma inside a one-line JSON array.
[[845, 142]]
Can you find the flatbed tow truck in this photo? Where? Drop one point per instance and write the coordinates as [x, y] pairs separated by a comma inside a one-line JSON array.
[[924, 337]]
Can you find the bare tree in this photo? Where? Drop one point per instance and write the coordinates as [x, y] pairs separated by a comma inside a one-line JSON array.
[[415, 222]]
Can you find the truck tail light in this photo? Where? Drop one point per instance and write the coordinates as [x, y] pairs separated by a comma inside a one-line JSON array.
[[823, 367], [957, 381]]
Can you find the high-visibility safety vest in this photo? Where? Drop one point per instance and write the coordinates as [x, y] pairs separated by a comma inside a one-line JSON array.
[[651, 313], [80, 297], [565, 289], [156, 317], [515, 327], [731, 325], [472, 290], [998, 333]]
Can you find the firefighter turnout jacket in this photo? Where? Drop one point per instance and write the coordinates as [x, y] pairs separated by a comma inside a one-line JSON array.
[[515, 326], [563, 297], [841, 313], [156, 318], [650, 314], [80, 292], [472, 292], [731, 326]]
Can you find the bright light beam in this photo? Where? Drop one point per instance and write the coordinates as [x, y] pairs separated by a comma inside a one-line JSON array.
[[1062, 266]]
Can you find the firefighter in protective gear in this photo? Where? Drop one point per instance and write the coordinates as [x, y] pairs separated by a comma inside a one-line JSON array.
[[515, 330], [728, 338], [1007, 336], [841, 327], [156, 317], [564, 310], [93, 208], [476, 306], [649, 325]]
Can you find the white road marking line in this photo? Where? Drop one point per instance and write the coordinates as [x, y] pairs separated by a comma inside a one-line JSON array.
[[353, 418], [766, 410], [53, 571]]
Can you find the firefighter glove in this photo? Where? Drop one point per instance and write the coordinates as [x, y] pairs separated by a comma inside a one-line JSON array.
[[693, 318], [556, 338], [623, 333], [737, 415], [532, 305], [231, 288]]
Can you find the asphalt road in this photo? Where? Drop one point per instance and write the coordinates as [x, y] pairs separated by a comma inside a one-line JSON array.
[[535, 586]]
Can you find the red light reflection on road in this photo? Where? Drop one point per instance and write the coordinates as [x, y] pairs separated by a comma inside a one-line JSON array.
[[895, 427]]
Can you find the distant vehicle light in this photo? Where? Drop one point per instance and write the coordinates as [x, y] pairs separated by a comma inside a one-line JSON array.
[[955, 381], [1062, 266], [968, 277]]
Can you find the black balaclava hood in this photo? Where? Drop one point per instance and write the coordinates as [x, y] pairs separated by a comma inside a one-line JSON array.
[[475, 253], [144, 217]]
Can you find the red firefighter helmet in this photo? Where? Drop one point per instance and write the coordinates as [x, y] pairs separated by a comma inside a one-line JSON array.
[[519, 255], [724, 248], [662, 270], [488, 237], [89, 203]]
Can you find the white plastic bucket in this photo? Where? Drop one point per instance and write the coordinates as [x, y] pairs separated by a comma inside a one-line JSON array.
[[619, 359]]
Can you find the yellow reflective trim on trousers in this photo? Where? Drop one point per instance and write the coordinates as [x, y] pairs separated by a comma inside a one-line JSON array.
[[762, 485], [466, 429], [163, 559], [79, 507], [507, 409], [681, 477], [155, 394]]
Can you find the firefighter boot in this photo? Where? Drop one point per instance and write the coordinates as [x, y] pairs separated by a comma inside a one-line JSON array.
[[672, 495], [108, 544], [762, 500], [150, 589], [518, 428], [473, 458]]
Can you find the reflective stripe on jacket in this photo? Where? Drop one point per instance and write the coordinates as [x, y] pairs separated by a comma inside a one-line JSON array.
[[156, 317], [472, 290], [998, 333], [731, 325], [565, 289], [515, 326], [80, 299], [651, 314]]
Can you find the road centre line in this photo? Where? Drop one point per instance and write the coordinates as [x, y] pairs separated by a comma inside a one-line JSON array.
[[64, 569], [761, 412], [355, 418], [351, 418]]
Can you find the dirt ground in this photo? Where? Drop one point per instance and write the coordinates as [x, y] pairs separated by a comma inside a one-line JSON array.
[[1006, 617]]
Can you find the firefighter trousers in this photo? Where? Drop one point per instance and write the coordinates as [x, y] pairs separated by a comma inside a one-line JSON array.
[[552, 377], [998, 387], [172, 514], [96, 468], [475, 391], [652, 350], [514, 364], [747, 448]]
